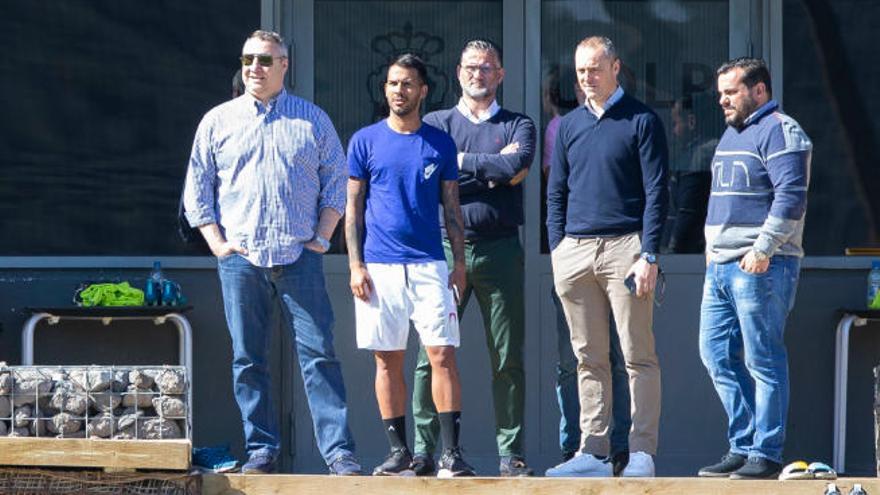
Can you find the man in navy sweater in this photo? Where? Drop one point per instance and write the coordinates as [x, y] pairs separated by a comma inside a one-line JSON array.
[[495, 149], [754, 230], [606, 201]]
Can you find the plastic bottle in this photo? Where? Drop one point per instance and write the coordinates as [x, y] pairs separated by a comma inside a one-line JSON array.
[[170, 293], [874, 284], [153, 288]]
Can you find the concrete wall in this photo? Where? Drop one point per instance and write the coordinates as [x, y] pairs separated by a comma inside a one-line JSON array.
[[692, 423]]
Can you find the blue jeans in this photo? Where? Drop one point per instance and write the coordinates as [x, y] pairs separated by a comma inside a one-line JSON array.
[[250, 294], [742, 322], [567, 390]]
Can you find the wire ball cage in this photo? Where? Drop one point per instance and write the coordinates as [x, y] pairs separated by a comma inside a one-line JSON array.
[[97, 402]]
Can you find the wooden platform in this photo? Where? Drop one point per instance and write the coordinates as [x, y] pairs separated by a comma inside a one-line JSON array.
[[236, 484], [110, 454]]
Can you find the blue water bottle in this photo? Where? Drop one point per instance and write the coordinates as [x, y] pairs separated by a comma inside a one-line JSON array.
[[170, 292], [153, 288], [874, 285]]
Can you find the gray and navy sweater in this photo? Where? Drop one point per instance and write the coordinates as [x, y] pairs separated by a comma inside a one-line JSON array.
[[760, 175], [491, 207], [608, 176]]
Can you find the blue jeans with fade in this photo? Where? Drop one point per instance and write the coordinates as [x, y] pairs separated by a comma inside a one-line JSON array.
[[742, 323], [250, 294]]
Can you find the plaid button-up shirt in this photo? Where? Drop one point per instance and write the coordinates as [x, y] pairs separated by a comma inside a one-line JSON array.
[[263, 173]]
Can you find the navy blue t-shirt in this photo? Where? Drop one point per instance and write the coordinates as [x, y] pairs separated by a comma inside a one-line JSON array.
[[403, 174]]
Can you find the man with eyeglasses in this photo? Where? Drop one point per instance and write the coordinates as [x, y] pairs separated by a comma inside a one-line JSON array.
[[606, 202], [266, 188], [495, 149]]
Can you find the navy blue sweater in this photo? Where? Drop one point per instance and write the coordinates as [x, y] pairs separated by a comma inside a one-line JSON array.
[[608, 175], [491, 207]]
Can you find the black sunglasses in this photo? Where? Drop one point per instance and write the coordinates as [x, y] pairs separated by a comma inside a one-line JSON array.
[[264, 59]]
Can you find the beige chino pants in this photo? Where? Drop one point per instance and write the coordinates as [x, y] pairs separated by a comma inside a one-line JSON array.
[[588, 275]]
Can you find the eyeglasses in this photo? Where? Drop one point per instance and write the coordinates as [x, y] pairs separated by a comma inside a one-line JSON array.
[[482, 69], [263, 59]]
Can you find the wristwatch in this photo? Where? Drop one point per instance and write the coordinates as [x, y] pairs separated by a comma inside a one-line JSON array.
[[759, 255], [325, 244], [650, 258]]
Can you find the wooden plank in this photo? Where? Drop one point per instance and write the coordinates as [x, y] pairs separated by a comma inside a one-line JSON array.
[[116, 454], [236, 484], [862, 251]]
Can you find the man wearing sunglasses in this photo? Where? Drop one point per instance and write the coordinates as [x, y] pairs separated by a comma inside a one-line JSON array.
[[266, 188]]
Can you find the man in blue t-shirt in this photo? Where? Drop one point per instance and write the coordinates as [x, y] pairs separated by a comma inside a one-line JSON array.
[[400, 170]]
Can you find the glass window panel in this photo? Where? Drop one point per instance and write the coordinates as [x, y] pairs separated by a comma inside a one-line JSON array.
[[103, 99], [830, 80], [669, 50], [355, 39]]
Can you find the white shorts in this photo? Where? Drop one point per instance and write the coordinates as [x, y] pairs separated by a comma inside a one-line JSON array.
[[404, 292]]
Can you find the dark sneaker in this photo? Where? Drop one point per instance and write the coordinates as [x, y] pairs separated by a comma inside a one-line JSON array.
[[619, 461], [345, 465], [757, 468], [453, 466], [259, 463], [423, 465], [729, 463], [514, 466], [398, 463]]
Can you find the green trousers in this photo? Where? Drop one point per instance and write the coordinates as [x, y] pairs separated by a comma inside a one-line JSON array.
[[495, 277]]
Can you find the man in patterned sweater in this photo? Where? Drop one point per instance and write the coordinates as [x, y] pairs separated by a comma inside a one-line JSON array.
[[754, 231]]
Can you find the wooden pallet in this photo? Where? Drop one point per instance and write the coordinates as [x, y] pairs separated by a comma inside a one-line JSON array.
[[108, 454], [216, 484]]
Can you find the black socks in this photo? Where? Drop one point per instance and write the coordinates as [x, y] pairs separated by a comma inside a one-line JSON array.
[[395, 429], [449, 427]]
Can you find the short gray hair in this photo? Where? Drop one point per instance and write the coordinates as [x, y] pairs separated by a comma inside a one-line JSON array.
[[271, 37], [600, 42], [483, 45]]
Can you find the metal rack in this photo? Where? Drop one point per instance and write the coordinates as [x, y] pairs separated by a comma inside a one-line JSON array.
[[159, 315]]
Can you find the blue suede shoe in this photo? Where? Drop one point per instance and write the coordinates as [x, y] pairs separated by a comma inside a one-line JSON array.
[[345, 465], [259, 463]]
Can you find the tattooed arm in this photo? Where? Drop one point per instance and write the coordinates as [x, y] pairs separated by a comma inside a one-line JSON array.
[[455, 233], [361, 284]]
